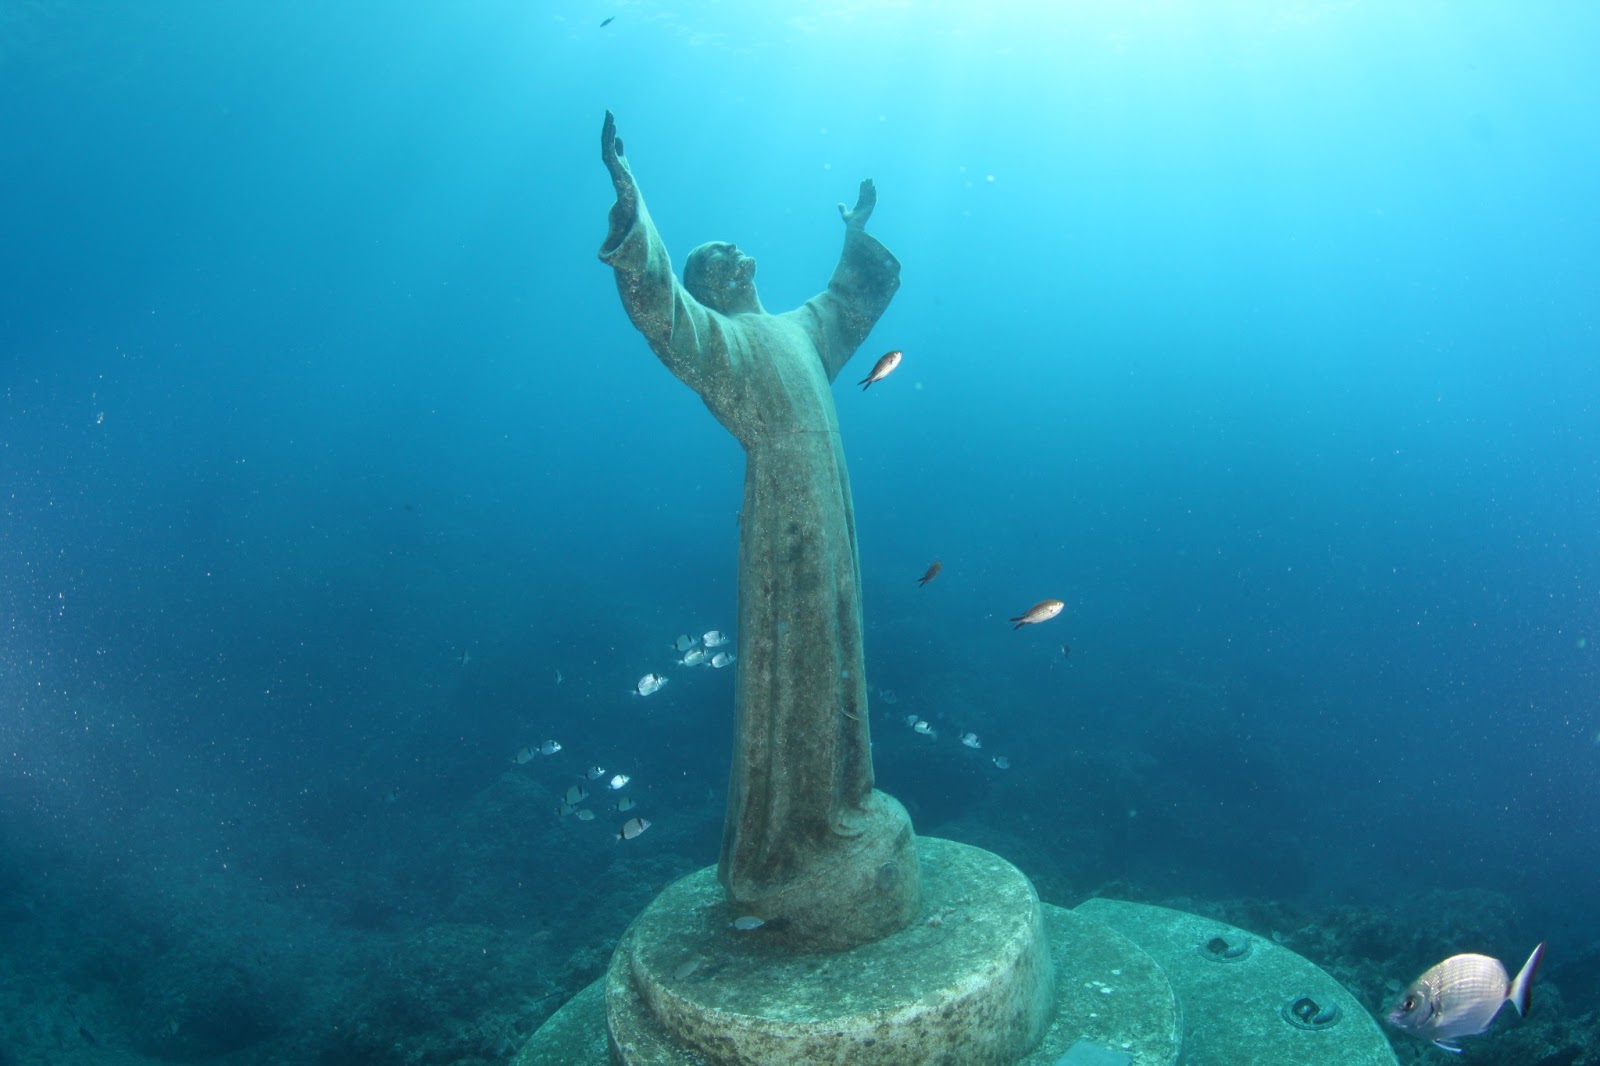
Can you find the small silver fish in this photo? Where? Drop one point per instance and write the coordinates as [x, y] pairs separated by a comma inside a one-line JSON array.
[[549, 747], [1461, 996], [586, 815], [912, 719], [523, 755], [693, 657], [925, 729], [649, 683], [563, 809], [721, 659], [1002, 763], [632, 828], [748, 923], [931, 573], [618, 782], [576, 795], [626, 803], [595, 773], [971, 740], [1042, 611], [716, 638], [684, 642], [882, 369]]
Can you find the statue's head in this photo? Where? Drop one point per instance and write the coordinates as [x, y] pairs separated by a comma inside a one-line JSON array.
[[722, 278]]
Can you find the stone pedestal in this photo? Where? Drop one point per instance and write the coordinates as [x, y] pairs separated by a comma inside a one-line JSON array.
[[864, 884], [969, 982], [1134, 985]]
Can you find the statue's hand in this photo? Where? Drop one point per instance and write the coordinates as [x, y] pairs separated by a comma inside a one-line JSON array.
[[856, 217], [621, 174]]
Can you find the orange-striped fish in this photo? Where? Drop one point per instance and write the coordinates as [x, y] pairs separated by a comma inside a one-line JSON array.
[[1042, 611], [933, 572], [882, 369]]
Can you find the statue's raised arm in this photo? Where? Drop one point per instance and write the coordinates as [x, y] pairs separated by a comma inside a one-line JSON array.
[[862, 285], [678, 328], [626, 209]]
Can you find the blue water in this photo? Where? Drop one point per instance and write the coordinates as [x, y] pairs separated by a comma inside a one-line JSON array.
[[1263, 336]]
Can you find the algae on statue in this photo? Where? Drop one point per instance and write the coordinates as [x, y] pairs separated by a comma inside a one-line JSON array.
[[808, 844]]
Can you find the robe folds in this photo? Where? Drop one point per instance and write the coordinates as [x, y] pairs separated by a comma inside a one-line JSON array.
[[802, 784]]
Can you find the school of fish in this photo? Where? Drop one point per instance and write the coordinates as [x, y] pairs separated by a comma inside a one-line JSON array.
[[691, 651]]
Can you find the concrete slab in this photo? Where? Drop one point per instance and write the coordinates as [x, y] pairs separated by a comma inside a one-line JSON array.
[[1247, 1001], [1109, 994]]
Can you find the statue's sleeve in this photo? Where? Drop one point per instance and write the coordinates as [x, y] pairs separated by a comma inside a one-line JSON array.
[[685, 335], [862, 285]]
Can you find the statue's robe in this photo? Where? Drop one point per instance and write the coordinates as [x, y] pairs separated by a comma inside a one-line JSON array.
[[801, 806]]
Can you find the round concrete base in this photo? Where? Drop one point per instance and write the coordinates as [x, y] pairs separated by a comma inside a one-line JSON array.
[[968, 982]]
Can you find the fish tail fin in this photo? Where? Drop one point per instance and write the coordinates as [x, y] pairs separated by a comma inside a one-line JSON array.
[[1019, 625], [865, 383], [1522, 985]]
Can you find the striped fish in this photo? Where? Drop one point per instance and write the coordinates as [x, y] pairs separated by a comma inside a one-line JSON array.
[[1461, 996]]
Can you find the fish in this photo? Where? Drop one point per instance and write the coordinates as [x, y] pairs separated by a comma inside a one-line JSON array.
[[523, 756], [693, 657], [1065, 651], [882, 369], [925, 729], [684, 642], [748, 923], [618, 782], [649, 683], [626, 803], [549, 747], [721, 659], [586, 815], [971, 740], [563, 809], [595, 773], [1042, 611], [912, 719], [1461, 996], [1001, 762], [632, 828], [559, 678], [606, 21], [931, 573], [714, 639], [576, 794]]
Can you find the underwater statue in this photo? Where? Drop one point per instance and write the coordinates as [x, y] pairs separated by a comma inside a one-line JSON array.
[[809, 846]]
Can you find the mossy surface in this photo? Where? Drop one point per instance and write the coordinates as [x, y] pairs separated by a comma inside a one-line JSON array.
[[969, 982]]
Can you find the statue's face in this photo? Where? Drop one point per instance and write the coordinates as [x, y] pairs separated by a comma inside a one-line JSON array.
[[722, 277]]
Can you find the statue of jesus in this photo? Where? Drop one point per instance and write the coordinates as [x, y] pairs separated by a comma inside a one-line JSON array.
[[809, 846]]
